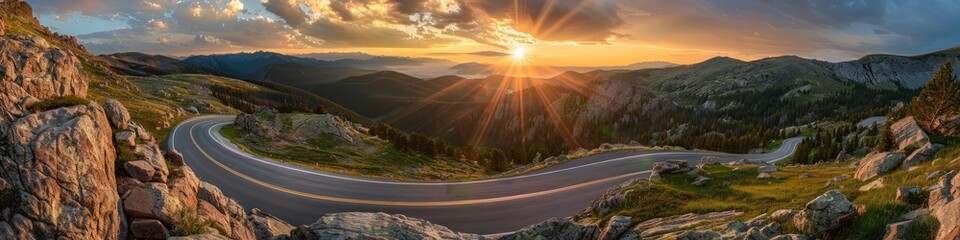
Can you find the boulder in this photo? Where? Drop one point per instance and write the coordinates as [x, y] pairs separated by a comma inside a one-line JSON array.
[[698, 235], [615, 227], [783, 214], [764, 176], [837, 179], [709, 160], [117, 113], [57, 164], [125, 138], [671, 166], [191, 110], [825, 213], [679, 162], [875, 164], [659, 226], [873, 185], [767, 169], [151, 153], [766, 232], [922, 154], [944, 204], [140, 170], [654, 176], [907, 133], [125, 184], [897, 230], [152, 201], [267, 227], [903, 193], [149, 229], [700, 181], [354, 225], [174, 157], [935, 174], [217, 207], [949, 126]]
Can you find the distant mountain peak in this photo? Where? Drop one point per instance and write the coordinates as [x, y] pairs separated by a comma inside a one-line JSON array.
[[721, 59]]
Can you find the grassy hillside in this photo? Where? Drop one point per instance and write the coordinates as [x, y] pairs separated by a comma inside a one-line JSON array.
[[370, 157]]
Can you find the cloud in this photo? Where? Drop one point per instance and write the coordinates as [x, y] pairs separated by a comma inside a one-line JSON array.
[[552, 20], [480, 53], [845, 29], [819, 28]]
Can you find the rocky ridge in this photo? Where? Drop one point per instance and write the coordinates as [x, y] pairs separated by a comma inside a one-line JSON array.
[[61, 178]]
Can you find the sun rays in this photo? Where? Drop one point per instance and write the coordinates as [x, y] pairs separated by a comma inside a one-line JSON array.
[[512, 89]]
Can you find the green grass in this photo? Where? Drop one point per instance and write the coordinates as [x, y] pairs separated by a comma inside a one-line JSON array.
[[881, 206], [328, 153], [58, 102], [675, 195], [192, 224], [924, 227]]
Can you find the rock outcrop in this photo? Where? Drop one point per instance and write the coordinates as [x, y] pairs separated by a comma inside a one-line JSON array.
[[907, 133], [671, 166], [876, 164], [56, 168], [376, 226], [556, 228], [75, 169], [615, 227], [944, 204], [57, 176], [922, 154], [268, 227], [32, 70], [297, 127], [825, 213], [950, 126]]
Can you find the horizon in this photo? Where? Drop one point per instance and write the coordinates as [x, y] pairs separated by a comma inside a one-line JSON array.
[[552, 33]]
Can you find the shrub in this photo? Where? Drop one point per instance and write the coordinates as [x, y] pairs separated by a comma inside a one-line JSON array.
[[924, 227], [124, 155], [192, 224], [58, 102]]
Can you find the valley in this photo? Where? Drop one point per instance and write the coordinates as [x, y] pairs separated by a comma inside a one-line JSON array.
[[592, 120]]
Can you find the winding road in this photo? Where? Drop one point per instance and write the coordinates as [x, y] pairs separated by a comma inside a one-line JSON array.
[[300, 195]]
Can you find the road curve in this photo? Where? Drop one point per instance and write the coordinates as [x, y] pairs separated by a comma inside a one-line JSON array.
[[300, 196]]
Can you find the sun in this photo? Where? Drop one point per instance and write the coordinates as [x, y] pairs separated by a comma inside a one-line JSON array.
[[518, 53]]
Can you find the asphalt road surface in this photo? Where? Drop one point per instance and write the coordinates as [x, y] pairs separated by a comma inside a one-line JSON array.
[[300, 195]]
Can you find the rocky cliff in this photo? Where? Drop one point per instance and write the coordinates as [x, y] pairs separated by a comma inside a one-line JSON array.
[[62, 174]]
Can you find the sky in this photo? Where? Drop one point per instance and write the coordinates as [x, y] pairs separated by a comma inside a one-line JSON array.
[[552, 32]]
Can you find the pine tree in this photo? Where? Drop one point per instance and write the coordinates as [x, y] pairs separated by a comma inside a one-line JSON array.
[[939, 99], [885, 141]]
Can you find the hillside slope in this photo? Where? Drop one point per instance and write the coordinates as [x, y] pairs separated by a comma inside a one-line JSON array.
[[139, 64]]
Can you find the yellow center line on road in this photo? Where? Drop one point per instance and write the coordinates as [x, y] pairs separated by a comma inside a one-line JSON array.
[[401, 203]]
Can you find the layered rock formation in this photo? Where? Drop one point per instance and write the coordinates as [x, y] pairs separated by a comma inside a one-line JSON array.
[[907, 133], [374, 226]]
